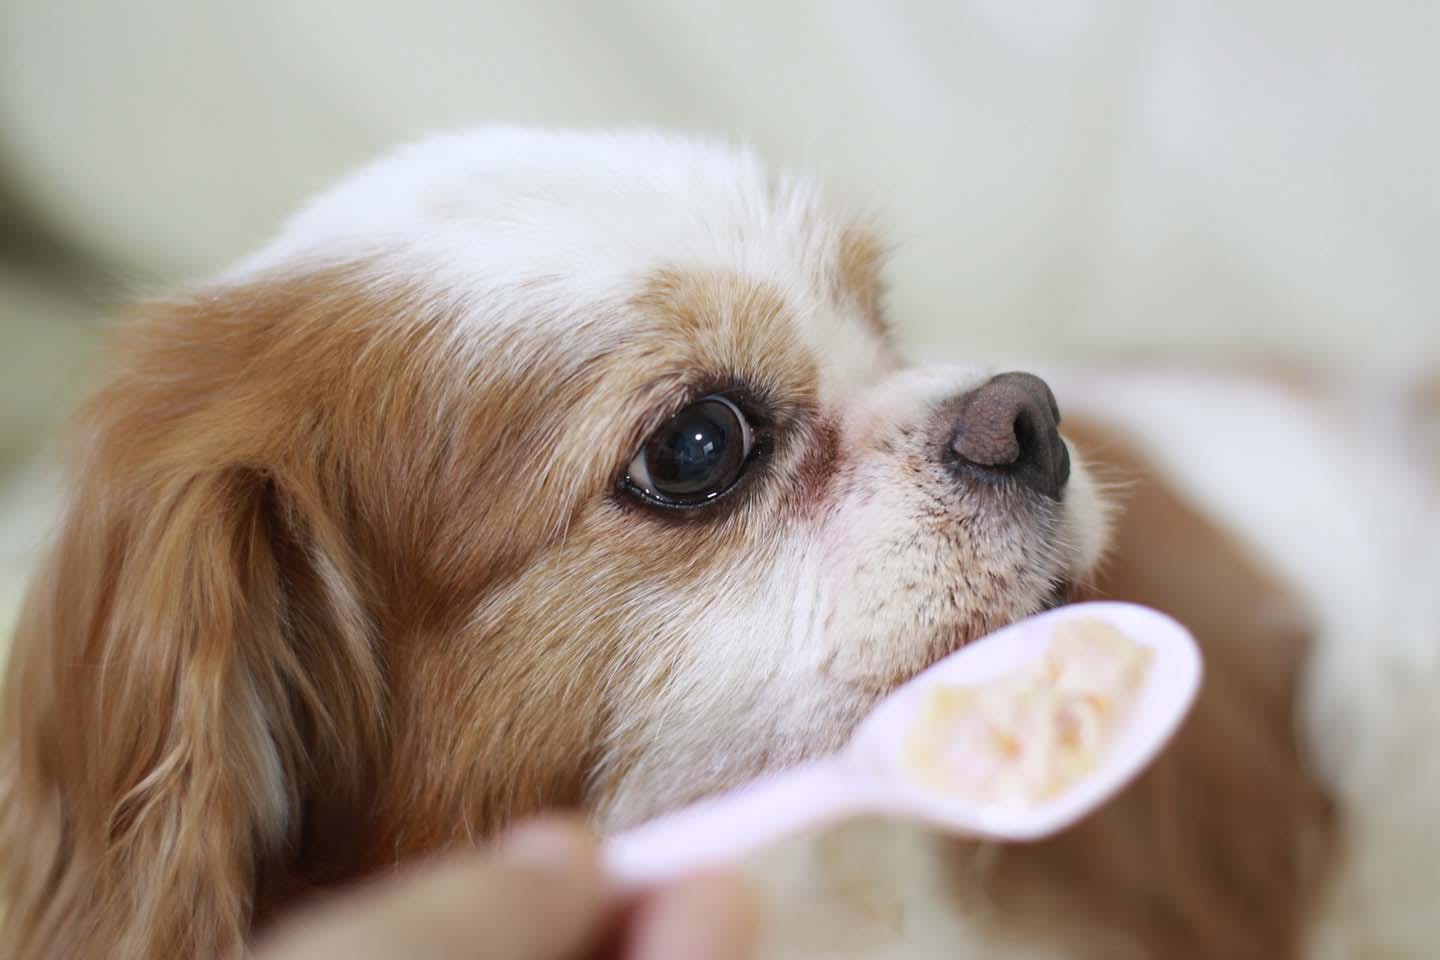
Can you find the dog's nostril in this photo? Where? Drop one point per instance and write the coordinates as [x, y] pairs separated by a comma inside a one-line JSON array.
[[1009, 426]]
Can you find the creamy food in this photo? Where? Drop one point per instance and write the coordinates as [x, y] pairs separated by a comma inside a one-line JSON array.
[[1026, 737]]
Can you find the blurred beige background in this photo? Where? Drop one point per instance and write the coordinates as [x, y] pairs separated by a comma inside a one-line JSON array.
[[1066, 179]]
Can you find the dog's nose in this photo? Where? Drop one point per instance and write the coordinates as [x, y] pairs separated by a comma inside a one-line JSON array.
[[1009, 426]]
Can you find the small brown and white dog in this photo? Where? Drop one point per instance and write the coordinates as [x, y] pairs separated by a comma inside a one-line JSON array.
[[531, 469]]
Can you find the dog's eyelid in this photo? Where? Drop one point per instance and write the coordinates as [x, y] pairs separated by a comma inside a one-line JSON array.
[[637, 473], [701, 452], [759, 412]]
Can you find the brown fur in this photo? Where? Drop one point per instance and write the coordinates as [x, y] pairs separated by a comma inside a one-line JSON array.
[[858, 276], [153, 723], [292, 501], [1218, 850], [334, 591]]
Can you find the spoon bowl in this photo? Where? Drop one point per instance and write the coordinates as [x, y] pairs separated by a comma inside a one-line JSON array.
[[871, 774]]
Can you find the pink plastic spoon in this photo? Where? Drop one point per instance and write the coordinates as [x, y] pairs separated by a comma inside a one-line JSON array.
[[869, 776]]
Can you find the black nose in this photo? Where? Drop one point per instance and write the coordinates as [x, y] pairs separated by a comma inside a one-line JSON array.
[[1009, 426]]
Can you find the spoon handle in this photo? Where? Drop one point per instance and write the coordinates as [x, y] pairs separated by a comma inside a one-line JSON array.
[[725, 828]]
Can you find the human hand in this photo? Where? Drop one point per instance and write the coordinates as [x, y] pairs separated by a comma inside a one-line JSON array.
[[536, 894]]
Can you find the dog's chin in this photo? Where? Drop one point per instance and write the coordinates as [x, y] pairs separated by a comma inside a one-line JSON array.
[[1062, 593], [948, 640]]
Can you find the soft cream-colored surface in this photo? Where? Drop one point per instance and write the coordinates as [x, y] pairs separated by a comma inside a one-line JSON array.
[[31, 503], [1083, 177], [47, 346]]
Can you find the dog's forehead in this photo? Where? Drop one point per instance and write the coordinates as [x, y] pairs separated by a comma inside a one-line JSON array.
[[533, 227]]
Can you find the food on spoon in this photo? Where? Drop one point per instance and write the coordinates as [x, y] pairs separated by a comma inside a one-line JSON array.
[[1026, 737]]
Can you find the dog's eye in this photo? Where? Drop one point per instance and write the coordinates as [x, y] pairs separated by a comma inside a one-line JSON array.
[[693, 458]]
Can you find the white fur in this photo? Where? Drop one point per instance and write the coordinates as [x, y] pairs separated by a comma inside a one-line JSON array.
[[525, 225], [1330, 492], [1325, 490], [530, 228], [553, 235], [801, 638]]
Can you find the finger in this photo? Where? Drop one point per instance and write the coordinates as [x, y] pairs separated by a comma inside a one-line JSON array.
[[708, 917], [540, 898], [537, 896]]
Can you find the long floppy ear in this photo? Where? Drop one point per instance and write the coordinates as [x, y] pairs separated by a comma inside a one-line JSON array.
[[191, 658]]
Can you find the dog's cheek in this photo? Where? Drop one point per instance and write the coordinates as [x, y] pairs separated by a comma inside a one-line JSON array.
[[1087, 519], [878, 570], [719, 688]]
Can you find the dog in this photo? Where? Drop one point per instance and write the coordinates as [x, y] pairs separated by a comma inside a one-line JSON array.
[[530, 469]]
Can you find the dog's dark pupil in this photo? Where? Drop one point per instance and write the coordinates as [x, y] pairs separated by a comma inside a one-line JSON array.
[[698, 453]]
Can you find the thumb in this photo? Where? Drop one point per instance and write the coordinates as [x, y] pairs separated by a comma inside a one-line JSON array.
[[537, 896]]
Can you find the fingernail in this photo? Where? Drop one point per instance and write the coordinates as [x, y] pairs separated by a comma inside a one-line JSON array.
[[547, 844], [710, 917]]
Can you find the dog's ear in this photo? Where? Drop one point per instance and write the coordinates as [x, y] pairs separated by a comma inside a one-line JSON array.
[[191, 657]]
